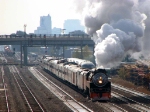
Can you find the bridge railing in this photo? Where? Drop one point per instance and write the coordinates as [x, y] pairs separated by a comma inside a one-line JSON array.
[[47, 36]]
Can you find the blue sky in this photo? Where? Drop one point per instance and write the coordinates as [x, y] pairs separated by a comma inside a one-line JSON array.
[[15, 13]]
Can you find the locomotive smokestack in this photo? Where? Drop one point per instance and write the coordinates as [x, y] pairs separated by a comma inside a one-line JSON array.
[[118, 27]]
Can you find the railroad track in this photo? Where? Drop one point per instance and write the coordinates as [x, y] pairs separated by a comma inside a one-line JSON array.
[[32, 103], [121, 103], [111, 107], [135, 96], [131, 105], [73, 104], [4, 103]]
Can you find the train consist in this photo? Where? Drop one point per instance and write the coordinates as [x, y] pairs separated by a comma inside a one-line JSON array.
[[82, 74]]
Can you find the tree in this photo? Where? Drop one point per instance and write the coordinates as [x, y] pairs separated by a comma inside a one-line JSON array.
[[76, 53], [86, 52], [123, 73]]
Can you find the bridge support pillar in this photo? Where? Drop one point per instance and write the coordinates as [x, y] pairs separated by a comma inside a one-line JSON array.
[[63, 51], [21, 53], [25, 55], [81, 53]]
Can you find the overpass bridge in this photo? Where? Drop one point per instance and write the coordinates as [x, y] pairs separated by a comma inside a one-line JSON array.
[[51, 40]]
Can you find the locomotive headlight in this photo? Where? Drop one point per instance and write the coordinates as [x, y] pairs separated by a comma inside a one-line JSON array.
[[99, 79]]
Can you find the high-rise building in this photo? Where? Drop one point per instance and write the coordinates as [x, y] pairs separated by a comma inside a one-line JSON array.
[[72, 25], [45, 25]]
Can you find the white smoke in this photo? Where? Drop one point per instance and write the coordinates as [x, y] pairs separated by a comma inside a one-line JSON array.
[[117, 27]]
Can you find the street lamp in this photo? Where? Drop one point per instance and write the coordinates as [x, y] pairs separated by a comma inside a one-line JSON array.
[[25, 30]]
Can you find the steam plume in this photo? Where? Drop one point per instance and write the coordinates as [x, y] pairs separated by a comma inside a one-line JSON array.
[[117, 27]]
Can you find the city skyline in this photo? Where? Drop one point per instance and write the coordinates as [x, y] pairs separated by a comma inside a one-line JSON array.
[[69, 25], [15, 13]]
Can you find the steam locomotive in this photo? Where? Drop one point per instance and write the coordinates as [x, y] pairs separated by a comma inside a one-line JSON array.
[[82, 74]]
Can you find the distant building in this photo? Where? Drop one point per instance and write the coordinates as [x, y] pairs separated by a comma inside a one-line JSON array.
[[56, 30], [72, 25], [45, 25], [77, 33]]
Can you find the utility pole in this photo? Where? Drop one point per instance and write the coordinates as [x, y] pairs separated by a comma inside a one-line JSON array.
[[25, 30], [25, 47]]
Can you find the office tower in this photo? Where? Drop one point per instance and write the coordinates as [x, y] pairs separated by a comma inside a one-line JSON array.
[[72, 25], [45, 25]]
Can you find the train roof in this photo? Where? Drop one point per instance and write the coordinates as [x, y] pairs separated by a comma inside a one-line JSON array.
[[73, 67], [87, 65]]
